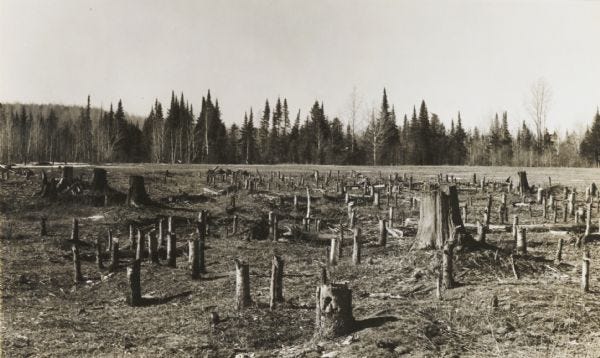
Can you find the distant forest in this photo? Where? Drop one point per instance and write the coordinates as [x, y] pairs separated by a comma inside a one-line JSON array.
[[48, 133]]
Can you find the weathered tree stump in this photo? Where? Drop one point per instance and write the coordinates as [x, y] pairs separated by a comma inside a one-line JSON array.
[[242, 285], [201, 231], [558, 257], [137, 196], [588, 220], [114, 254], [99, 183], [481, 231], [132, 240], [515, 227], [523, 183], [333, 252], [307, 203], [488, 210], [172, 249], [152, 247], [194, 257], [134, 296], [66, 178], [382, 233], [447, 265], [522, 241], [333, 311], [140, 249], [99, 263], [356, 247], [75, 230], [585, 272], [276, 287], [439, 216], [77, 276]]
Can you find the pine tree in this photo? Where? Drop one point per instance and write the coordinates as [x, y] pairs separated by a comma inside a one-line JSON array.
[[590, 145], [423, 145], [263, 133]]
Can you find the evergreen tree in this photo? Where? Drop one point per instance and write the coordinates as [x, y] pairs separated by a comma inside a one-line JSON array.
[[590, 145], [263, 133]]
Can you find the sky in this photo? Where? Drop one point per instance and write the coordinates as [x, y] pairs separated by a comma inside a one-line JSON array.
[[476, 57]]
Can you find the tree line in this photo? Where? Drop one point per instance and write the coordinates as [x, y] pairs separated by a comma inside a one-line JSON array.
[[33, 133]]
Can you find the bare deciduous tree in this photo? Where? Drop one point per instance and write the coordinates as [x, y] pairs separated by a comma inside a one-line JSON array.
[[538, 105]]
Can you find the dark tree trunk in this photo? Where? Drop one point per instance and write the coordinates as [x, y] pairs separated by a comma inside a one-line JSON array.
[[99, 182], [523, 184], [137, 195]]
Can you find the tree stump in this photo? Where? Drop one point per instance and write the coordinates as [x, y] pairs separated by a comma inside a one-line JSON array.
[[523, 184], [276, 287], [382, 233], [99, 263], [481, 231], [356, 247], [194, 257], [333, 252], [140, 249], [307, 203], [66, 179], [75, 230], [114, 254], [558, 257], [99, 183], [137, 196], [172, 249], [77, 276], [585, 272], [242, 285], [152, 247], [134, 296], [522, 241], [447, 265], [333, 311], [201, 231], [439, 216]]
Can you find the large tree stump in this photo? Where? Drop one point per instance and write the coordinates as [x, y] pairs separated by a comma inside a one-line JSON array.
[[333, 311], [242, 285], [66, 179], [137, 195], [523, 184], [99, 181], [439, 216]]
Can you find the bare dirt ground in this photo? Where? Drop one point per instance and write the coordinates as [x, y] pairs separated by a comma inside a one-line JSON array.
[[544, 313]]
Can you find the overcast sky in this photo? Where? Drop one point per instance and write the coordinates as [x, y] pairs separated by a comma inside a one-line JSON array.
[[478, 57]]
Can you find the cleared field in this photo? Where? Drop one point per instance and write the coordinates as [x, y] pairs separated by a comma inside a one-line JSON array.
[[543, 313]]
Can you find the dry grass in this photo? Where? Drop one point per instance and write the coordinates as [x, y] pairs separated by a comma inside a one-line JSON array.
[[543, 313]]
